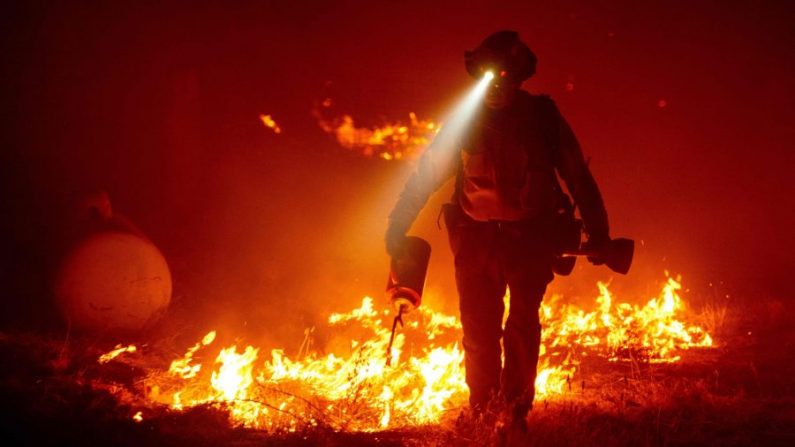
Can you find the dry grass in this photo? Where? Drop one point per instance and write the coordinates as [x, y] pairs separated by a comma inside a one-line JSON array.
[[742, 393]]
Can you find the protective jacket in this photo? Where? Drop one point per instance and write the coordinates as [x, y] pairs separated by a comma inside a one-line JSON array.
[[505, 168]]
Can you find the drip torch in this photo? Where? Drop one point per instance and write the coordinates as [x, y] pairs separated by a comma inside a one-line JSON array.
[[405, 283]]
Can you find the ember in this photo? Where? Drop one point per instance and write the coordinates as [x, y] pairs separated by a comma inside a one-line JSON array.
[[268, 122], [357, 392], [117, 351]]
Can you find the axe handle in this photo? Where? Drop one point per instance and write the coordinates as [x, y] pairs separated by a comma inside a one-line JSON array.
[[580, 252]]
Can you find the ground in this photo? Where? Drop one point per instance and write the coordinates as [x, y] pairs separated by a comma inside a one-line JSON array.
[[741, 393]]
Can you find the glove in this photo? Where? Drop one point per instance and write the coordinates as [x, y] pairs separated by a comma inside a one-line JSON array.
[[598, 245], [395, 240]]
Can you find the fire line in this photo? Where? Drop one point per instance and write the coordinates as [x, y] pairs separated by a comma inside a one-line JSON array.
[[355, 390]]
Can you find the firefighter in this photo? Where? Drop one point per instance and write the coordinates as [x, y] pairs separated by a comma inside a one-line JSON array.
[[503, 217]]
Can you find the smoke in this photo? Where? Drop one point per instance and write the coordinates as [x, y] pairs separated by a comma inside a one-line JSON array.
[[159, 107]]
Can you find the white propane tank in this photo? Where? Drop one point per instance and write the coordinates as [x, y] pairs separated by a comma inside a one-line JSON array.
[[113, 278], [113, 281]]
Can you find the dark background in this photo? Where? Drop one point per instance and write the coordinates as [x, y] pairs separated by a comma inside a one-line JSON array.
[[158, 105]]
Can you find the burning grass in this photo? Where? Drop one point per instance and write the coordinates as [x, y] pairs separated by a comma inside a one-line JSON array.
[[396, 140], [594, 393], [355, 390]]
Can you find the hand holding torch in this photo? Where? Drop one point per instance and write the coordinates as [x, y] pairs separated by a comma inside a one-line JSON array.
[[407, 272]]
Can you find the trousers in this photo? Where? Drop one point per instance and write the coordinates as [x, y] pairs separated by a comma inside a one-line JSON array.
[[490, 257]]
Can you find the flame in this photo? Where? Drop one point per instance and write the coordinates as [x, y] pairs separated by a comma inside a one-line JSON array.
[[117, 351], [138, 417], [390, 141], [268, 121], [183, 367], [234, 376], [356, 391], [623, 331]]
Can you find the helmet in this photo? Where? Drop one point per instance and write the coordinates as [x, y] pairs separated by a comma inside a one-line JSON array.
[[504, 53]]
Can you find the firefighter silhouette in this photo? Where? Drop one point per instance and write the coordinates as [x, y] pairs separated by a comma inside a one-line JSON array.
[[504, 218]]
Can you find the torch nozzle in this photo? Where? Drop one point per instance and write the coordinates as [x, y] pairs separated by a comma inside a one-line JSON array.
[[398, 319]]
